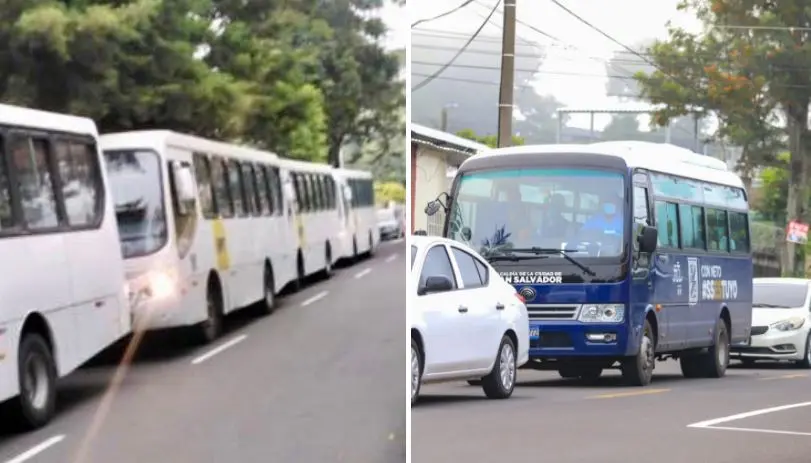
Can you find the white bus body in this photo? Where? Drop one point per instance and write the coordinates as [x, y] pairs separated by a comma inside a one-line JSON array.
[[359, 233], [199, 238], [312, 190], [63, 291]]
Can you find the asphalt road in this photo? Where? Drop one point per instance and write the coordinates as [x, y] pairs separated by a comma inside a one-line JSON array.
[[553, 420], [320, 380]]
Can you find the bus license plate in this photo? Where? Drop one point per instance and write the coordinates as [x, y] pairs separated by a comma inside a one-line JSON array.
[[534, 333]]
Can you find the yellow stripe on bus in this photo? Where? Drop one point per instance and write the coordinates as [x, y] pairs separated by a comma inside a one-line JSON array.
[[220, 244]]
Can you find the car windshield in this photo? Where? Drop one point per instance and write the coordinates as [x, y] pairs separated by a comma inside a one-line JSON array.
[[135, 181], [543, 207], [778, 295], [385, 215]]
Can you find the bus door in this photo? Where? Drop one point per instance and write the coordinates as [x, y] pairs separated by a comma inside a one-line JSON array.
[[647, 270]]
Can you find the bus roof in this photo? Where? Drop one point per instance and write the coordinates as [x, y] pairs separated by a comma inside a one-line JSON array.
[[352, 173], [659, 157], [36, 119], [158, 139], [297, 165]]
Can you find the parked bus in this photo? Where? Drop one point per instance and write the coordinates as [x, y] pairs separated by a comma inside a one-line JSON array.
[[359, 232], [63, 292], [206, 227], [625, 252]]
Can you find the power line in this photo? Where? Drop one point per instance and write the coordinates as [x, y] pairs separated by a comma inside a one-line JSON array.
[[454, 10], [549, 36], [538, 71], [459, 53]]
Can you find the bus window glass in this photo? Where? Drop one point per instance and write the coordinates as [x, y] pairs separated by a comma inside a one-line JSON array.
[[135, 183], [249, 187], [715, 195], [30, 157], [667, 223], [6, 213], [222, 195], [77, 164], [736, 198], [641, 209], [665, 186], [738, 232], [717, 233], [202, 173], [529, 207], [691, 219], [185, 224], [235, 187], [262, 190]]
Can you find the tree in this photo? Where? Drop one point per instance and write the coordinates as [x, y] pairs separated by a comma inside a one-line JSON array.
[[386, 192], [489, 140], [540, 118], [357, 76]]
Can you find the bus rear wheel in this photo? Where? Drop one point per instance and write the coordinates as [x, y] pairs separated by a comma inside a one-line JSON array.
[[268, 304], [638, 369], [712, 363], [36, 404]]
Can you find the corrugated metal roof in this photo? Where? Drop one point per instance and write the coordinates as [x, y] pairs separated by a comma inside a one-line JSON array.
[[444, 141]]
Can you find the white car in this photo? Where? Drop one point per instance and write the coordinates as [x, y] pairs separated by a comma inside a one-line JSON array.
[[781, 322], [467, 323]]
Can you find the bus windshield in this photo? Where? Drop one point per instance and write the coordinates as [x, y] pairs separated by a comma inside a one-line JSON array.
[[135, 181], [562, 208]]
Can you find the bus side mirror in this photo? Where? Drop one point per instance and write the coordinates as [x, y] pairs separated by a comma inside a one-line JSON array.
[[648, 239], [432, 207]]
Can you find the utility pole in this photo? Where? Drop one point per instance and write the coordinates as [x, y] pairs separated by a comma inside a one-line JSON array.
[[505, 93]]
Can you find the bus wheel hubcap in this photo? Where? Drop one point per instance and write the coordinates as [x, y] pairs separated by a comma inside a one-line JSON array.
[[36, 381]]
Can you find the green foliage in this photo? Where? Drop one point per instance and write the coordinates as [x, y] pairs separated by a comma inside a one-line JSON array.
[[389, 191], [297, 77], [489, 140]]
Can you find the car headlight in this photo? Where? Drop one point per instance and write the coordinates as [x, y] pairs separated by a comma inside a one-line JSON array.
[[789, 325], [602, 313]]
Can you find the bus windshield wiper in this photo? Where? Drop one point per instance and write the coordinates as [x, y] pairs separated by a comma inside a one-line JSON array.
[[508, 256], [563, 252]]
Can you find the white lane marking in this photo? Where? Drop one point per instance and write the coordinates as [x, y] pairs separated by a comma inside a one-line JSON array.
[[317, 297], [363, 273], [762, 431], [741, 416], [218, 349], [391, 257], [36, 450]]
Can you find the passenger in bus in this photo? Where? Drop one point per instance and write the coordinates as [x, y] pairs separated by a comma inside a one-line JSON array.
[[555, 225]]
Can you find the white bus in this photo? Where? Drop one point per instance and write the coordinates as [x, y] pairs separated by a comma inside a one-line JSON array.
[[316, 215], [63, 292], [359, 231]]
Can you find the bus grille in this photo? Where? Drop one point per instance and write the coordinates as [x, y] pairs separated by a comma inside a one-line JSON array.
[[552, 311], [758, 330]]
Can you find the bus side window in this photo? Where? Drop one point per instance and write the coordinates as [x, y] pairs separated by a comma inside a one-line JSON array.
[[202, 170], [222, 195], [37, 194], [6, 212], [641, 207], [667, 223]]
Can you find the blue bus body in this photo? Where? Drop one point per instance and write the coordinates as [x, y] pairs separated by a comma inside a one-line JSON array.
[[698, 278]]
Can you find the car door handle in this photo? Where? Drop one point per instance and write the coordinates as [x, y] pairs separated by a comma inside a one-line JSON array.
[[462, 309], [499, 306]]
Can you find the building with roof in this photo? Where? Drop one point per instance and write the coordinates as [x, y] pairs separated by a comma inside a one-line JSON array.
[[435, 156]]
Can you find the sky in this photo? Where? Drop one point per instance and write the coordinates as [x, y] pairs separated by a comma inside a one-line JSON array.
[[397, 21], [579, 49]]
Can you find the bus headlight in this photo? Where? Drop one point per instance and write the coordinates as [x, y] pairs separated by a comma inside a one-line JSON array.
[[602, 313], [789, 325], [161, 285]]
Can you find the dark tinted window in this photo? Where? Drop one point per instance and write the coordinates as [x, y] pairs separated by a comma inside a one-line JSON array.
[[717, 230], [738, 232], [467, 269], [6, 212], [437, 263], [667, 223], [202, 173], [222, 194], [779, 295], [691, 219], [235, 186]]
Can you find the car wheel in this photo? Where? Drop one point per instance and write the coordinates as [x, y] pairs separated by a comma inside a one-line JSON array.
[[35, 405], [416, 371], [806, 361], [500, 383]]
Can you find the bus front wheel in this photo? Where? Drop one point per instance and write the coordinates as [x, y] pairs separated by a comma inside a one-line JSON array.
[[638, 369], [35, 405], [211, 328]]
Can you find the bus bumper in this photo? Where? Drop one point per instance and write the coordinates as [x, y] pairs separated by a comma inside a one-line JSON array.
[[558, 340]]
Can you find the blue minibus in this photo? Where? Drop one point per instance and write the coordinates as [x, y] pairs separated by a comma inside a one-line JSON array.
[[624, 252]]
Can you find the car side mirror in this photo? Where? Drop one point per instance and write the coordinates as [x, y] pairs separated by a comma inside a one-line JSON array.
[[436, 284], [432, 207], [648, 239]]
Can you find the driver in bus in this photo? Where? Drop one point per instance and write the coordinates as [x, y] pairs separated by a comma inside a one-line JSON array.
[[606, 225]]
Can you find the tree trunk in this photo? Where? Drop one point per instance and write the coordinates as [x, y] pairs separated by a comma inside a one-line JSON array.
[[798, 175]]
